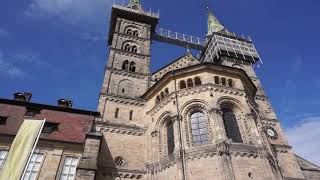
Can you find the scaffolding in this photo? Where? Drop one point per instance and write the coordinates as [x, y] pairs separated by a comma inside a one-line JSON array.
[[231, 46], [121, 4]]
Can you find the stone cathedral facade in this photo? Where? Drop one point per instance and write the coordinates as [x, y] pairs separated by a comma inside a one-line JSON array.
[[196, 118], [204, 118]]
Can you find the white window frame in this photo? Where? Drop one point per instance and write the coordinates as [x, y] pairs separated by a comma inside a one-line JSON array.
[[3, 158], [32, 163], [64, 164]]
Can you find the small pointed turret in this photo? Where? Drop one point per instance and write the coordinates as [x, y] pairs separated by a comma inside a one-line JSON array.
[[134, 4], [213, 24]]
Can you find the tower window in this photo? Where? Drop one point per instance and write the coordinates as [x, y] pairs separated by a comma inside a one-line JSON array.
[[122, 90], [129, 31], [190, 83], [199, 128], [170, 137], [132, 32], [182, 84], [116, 113], [130, 115], [197, 81], [134, 49], [127, 47], [136, 33], [231, 125], [125, 65], [132, 66]]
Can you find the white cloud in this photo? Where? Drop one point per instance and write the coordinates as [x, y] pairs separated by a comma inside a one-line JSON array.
[[9, 69], [304, 137], [14, 63], [76, 12]]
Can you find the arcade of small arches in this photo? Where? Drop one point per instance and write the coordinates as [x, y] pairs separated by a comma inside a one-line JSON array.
[[129, 66], [132, 31], [130, 47], [190, 83], [223, 81], [164, 94], [197, 122]]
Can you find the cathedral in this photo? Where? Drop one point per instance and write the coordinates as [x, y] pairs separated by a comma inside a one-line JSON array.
[[197, 118]]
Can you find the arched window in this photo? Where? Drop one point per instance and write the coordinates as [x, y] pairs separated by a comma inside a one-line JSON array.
[[230, 83], [166, 92], [199, 128], [134, 49], [216, 80], [197, 81], [223, 81], [125, 65], [127, 47], [157, 99], [129, 31], [136, 33], [170, 136], [132, 67], [190, 83], [182, 84], [116, 113], [231, 125], [161, 96]]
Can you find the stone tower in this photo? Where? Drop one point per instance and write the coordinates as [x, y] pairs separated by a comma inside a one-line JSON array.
[[193, 119]]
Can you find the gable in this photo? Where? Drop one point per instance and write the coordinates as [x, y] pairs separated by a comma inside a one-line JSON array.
[[306, 165], [181, 62]]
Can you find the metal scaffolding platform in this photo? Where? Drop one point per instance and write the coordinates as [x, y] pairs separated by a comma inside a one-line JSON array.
[[179, 39], [230, 46]]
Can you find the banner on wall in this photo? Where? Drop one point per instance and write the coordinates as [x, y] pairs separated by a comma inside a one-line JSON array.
[[21, 149]]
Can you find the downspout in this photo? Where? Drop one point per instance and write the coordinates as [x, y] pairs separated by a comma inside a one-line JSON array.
[[182, 152]]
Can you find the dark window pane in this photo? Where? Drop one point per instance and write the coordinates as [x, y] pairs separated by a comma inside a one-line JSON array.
[[231, 125]]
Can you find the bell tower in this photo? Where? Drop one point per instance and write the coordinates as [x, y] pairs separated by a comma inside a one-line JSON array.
[[127, 71]]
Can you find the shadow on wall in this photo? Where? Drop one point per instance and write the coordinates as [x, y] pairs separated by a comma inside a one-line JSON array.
[[107, 169]]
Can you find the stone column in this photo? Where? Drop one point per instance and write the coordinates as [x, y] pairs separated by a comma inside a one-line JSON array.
[[87, 167], [177, 144], [219, 129]]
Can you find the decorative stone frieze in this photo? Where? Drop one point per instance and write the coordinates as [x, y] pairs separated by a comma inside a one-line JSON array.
[[120, 128], [196, 90], [126, 101], [164, 163], [127, 73]]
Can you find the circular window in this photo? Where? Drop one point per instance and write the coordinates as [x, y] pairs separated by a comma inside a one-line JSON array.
[[119, 161]]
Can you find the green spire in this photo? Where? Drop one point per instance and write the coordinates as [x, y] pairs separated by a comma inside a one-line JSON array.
[[134, 4], [213, 24]]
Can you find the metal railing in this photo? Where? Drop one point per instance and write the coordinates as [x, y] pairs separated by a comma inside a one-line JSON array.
[[121, 4]]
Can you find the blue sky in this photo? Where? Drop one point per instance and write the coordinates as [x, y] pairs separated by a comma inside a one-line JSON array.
[[57, 49]]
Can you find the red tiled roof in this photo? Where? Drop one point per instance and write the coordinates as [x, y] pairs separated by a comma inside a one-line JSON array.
[[73, 125]]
